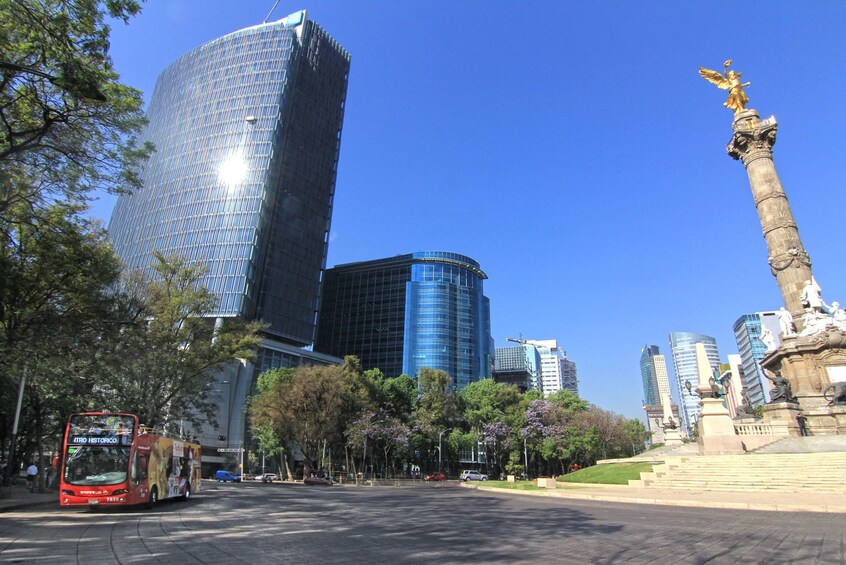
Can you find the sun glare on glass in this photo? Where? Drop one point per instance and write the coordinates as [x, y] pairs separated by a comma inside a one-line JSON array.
[[232, 171]]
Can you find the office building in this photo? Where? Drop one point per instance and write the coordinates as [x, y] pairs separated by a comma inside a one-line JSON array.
[[552, 373], [656, 390], [247, 130], [651, 395], [519, 365], [569, 375], [747, 332], [401, 314], [683, 350]]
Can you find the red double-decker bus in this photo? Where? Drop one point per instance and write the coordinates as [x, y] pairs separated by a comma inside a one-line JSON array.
[[109, 460]]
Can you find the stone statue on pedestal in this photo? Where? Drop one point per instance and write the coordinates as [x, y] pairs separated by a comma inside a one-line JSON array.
[[785, 322], [745, 410], [835, 393], [838, 315], [767, 338], [811, 296], [781, 391]]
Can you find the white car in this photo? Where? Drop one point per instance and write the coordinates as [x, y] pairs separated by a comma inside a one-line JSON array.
[[266, 478], [472, 476]]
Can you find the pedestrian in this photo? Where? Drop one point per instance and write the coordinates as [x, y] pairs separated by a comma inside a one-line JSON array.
[[31, 473]]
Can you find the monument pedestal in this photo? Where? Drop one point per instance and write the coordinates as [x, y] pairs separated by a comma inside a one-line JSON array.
[[784, 418], [672, 437], [811, 363], [716, 429]]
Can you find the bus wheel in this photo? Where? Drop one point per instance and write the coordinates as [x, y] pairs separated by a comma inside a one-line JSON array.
[[154, 497], [187, 494]]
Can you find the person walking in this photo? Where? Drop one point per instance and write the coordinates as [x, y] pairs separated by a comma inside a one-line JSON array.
[[31, 474]]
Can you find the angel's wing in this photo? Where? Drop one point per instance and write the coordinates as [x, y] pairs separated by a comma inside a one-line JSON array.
[[714, 77]]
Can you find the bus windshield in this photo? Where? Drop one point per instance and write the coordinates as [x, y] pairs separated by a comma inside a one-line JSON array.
[[94, 465]]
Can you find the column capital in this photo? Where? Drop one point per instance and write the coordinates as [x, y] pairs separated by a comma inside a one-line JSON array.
[[753, 138]]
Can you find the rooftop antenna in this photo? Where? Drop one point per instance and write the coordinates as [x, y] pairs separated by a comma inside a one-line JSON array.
[[271, 11]]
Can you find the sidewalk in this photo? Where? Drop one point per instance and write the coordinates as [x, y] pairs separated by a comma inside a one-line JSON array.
[[17, 497], [778, 501]]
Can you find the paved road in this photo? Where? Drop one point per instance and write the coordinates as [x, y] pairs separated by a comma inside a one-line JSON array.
[[256, 524]]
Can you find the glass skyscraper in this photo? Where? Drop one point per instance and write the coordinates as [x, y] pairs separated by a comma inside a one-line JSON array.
[[247, 130], [520, 365], [651, 395], [683, 348], [405, 313], [747, 332]]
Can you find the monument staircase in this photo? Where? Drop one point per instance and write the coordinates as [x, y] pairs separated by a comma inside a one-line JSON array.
[[814, 464]]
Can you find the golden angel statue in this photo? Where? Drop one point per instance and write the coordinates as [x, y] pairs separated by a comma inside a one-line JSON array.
[[731, 81]]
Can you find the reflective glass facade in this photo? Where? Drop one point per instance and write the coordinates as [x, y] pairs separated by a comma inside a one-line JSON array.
[[247, 131], [747, 333], [404, 313], [651, 396], [683, 348]]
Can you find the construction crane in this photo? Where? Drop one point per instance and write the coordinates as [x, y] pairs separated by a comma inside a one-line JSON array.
[[519, 340]]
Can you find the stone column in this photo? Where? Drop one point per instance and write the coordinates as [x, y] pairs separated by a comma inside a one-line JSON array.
[[752, 143]]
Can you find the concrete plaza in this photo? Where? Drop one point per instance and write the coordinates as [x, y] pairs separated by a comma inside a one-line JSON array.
[[445, 523]]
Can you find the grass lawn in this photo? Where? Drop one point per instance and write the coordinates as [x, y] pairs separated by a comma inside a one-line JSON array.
[[609, 474]]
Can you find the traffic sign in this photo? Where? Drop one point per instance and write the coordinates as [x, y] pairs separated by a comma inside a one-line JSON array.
[[230, 449]]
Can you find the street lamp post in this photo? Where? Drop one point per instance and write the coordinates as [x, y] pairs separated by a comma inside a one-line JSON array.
[[440, 436]]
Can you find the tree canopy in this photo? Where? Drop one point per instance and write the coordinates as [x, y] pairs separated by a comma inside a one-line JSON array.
[[67, 125]]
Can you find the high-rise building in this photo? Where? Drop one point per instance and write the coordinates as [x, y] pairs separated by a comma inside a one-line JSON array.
[[401, 314], [552, 379], [520, 365], [569, 375], [683, 349], [651, 395], [656, 390], [247, 130], [747, 332]]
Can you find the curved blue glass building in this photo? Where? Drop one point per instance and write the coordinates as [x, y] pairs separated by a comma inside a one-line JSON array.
[[404, 313], [247, 130]]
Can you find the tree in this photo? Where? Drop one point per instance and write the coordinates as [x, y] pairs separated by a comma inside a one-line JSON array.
[[487, 406], [164, 357], [67, 125], [437, 409], [54, 304], [636, 433], [306, 409]]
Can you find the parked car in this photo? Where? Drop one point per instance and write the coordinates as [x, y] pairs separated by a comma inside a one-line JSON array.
[[266, 478], [317, 481], [435, 477], [472, 476], [227, 477]]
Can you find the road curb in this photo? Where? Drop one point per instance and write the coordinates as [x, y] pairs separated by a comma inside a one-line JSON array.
[[719, 504]]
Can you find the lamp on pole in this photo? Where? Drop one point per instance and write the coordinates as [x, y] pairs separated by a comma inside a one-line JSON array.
[[526, 456], [440, 436]]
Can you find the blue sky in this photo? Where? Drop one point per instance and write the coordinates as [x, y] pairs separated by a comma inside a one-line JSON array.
[[573, 150]]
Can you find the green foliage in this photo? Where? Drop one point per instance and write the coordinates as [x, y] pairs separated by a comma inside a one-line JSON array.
[[67, 125], [306, 409], [164, 358], [380, 421], [611, 474], [57, 270]]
